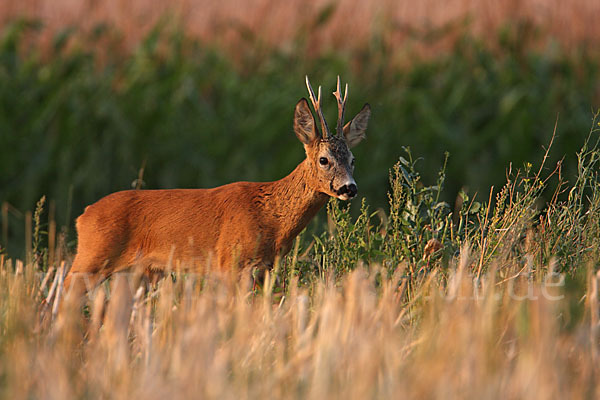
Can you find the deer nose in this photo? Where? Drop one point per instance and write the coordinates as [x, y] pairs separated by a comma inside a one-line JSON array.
[[351, 190]]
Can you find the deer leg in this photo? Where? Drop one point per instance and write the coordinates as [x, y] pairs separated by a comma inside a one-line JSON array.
[[84, 276]]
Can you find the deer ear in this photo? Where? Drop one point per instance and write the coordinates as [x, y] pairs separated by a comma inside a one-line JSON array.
[[355, 130], [304, 123]]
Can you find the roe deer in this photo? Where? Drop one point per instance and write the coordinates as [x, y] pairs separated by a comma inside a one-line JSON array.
[[247, 224]]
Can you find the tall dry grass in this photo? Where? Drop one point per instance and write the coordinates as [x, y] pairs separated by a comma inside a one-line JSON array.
[[343, 24], [363, 338]]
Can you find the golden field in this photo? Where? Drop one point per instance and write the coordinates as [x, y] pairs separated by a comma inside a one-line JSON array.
[[329, 25]]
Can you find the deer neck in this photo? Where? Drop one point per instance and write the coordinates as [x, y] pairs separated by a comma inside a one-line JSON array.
[[293, 202]]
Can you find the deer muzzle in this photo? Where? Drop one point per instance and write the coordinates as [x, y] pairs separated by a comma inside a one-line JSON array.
[[347, 191]]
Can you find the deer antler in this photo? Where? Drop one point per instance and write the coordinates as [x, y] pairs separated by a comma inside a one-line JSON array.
[[316, 102], [341, 105]]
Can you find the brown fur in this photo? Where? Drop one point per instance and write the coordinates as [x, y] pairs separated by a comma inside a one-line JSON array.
[[245, 224]]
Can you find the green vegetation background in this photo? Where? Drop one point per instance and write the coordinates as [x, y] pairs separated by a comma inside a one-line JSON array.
[[79, 121]]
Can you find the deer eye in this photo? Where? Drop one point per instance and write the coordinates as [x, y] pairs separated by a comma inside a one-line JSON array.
[[352, 162], [323, 161]]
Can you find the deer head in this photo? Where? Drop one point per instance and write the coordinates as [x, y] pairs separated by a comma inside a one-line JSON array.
[[329, 156]]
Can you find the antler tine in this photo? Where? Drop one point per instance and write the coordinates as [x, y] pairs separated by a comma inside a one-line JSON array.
[[317, 106], [341, 105]]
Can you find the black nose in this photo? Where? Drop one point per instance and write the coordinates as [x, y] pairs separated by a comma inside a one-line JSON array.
[[350, 189]]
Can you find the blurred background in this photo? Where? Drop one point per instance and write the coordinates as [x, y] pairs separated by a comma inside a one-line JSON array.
[[97, 96]]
